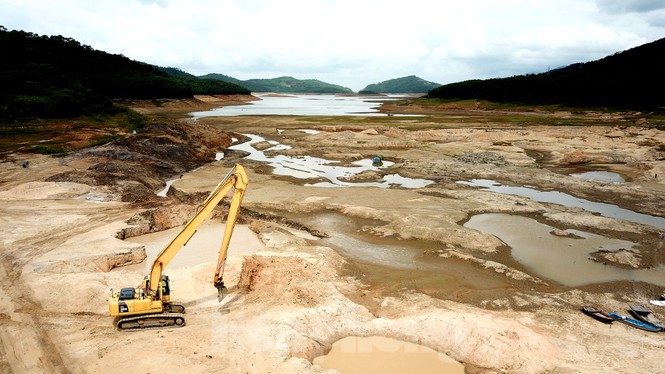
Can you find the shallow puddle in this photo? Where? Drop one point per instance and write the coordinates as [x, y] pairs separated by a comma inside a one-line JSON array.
[[380, 355], [307, 167], [556, 197], [202, 247], [394, 264], [562, 259], [600, 176]]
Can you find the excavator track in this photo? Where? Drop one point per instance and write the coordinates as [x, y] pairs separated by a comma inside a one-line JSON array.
[[174, 308], [151, 321]]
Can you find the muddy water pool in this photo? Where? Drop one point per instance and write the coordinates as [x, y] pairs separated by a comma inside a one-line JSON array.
[[379, 355], [395, 265], [202, 247], [564, 260]]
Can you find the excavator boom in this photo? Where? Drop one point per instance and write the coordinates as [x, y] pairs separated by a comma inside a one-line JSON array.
[[236, 179]]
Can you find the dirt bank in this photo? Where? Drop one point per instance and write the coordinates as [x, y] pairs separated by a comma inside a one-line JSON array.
[[288, 302]]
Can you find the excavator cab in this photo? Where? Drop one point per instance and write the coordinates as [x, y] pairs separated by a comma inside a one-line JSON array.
[[166, 288]]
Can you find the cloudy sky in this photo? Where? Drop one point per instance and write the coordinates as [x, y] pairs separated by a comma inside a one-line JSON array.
[[348, 42]]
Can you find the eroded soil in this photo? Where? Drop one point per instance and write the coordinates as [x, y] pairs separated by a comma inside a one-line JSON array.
[[64, 219]]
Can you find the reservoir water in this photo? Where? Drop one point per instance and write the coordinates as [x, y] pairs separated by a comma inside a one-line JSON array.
[[304, 105]]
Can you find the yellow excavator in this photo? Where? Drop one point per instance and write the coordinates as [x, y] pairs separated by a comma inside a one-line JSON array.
[[149, 305]]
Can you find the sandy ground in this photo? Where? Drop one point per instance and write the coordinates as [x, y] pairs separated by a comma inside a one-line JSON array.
[[292, 297]]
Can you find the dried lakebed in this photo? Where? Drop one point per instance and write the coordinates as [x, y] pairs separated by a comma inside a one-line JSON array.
[[529, 246]]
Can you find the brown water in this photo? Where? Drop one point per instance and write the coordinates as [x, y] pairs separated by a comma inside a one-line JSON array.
[[562, 259], [381, 355], [202, 247], [390, 266]]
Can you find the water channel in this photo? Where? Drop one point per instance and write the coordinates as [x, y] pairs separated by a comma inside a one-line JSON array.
[[308, 167], [561, 198], [531, 243]]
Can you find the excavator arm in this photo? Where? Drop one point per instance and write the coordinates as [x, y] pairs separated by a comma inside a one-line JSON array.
[[236, 179]]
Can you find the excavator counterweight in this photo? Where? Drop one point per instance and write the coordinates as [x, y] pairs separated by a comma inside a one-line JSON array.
[[149, 305]]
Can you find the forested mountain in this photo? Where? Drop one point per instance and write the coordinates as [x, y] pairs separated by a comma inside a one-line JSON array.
[[175, 72], [632, 79], [56, 77], [224, 78], [283, 84], [410, 84]]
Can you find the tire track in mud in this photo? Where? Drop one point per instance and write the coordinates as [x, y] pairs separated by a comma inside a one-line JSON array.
[[27, 345]]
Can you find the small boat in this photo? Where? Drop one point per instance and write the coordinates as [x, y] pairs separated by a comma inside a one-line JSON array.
[[643, 314], [597, 314], [634, 323]]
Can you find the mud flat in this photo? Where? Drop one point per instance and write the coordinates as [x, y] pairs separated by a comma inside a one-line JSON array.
[[299, 289]]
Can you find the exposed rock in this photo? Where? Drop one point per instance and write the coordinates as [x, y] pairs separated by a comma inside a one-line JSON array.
[[138, 165], [368, 175], [575, 158], [481, 158], [565, 234], [622, 258]]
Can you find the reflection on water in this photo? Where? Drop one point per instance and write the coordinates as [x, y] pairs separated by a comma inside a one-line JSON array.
[[304, 105], [561, 259], [600, 176], [307, 167], [556, 197]]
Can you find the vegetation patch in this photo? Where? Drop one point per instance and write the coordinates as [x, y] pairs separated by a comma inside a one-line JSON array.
[[57, 77], [616, 81]]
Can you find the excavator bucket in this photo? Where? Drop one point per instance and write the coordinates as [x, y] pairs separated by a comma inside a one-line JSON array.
[[221, 291]]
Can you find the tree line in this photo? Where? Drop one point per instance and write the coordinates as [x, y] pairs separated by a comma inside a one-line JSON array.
[[58, 77], [632, 79]]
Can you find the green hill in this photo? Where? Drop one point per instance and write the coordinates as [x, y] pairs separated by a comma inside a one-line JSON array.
[[175, 72], [632, 79], [57, 77], [224, 78], [283, 84], [410, 84]]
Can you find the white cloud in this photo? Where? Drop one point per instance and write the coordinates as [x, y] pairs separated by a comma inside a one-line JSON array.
[[347, 42]]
